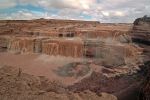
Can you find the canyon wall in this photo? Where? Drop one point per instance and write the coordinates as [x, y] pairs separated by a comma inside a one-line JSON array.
[[35, 36], [58, 46], [54, 28], [141, 31], [141, 36], [72, 47]]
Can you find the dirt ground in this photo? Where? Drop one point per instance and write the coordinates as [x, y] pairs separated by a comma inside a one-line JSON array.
[[16, 85], [40, 65]]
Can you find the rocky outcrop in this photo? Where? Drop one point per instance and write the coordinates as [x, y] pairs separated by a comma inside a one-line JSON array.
[[141, 36], [141, 30]]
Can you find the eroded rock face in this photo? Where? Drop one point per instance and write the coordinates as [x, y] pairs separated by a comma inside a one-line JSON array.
[[141, 36], [141, 31], [32, 36]]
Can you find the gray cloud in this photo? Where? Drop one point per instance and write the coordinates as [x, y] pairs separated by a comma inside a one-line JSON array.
[[7, 3], [101, 10]]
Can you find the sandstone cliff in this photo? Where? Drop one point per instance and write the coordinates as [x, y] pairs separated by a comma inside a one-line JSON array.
[[141, 36]]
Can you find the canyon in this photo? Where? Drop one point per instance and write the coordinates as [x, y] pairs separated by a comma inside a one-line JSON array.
[[74, 60]]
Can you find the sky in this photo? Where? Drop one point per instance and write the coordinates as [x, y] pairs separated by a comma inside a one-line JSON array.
[[106, 11]]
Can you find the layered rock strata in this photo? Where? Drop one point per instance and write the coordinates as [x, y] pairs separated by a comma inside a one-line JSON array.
[[141, 36]]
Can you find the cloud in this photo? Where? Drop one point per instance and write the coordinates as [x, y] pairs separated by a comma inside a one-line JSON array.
[[113, 13], [60, 4], [23, 15], [105, 13], [7, 4], [101, 10]]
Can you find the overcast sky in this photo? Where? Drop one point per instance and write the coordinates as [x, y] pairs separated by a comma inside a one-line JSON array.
[[100, 10]]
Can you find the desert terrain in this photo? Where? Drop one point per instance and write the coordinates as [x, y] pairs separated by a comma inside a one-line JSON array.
[[50, 59]]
